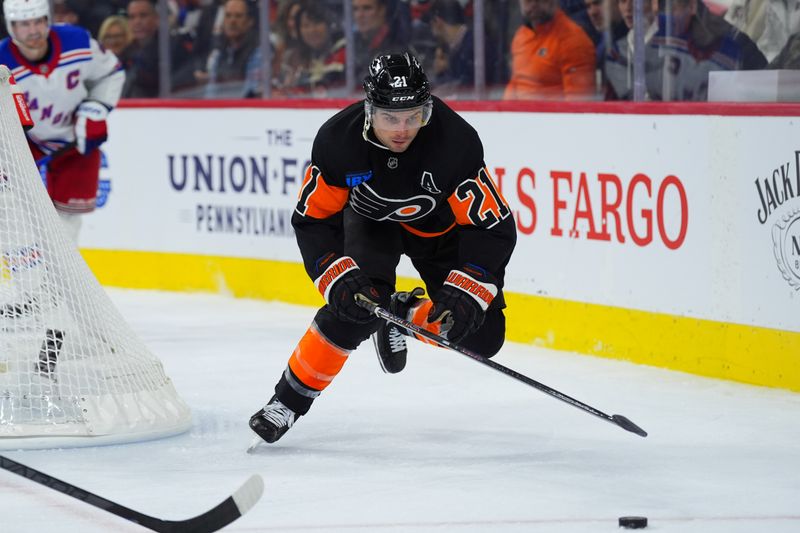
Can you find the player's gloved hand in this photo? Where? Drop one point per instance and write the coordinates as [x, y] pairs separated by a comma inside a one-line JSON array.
[[460, 305], [340, 283], [90, 126]]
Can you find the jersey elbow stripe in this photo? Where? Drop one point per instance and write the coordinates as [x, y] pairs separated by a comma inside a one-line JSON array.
[[325, 200]]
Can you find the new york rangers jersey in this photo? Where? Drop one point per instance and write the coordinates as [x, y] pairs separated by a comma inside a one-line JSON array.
[[76, 68], [686, 64]]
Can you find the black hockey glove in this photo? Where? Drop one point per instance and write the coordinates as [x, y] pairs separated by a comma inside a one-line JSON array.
[[460, 305], [339, 285]]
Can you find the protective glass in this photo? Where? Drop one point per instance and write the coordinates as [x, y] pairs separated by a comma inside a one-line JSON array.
[[400, 119]]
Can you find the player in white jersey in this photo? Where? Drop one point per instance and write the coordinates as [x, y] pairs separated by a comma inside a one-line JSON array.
[[71, 83], [691, 42]]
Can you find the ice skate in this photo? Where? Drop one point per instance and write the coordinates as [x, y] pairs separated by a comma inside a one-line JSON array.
[[390, 341], [271, 422]]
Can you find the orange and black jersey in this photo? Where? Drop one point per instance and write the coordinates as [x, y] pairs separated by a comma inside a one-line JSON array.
[[440, 184]]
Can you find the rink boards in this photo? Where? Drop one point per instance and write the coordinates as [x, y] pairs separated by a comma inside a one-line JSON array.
[[668, 239]]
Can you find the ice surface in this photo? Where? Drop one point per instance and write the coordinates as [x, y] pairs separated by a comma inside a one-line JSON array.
[[446, 445]]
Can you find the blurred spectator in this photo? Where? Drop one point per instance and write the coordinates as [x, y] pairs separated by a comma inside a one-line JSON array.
[[440, 67], [187, 14], [551, 56], [691, 42], [228, 61], [422, 39], [373, 34], [64, 13], [91, 13], [451, 28], [142, 53], [789, 57], [115, 35], [142, 56], [315, 65], [605, 27], [769, 23], [399, 17], [287, 36], [576, 10], [208, 30], [605, 22], [617, 66]]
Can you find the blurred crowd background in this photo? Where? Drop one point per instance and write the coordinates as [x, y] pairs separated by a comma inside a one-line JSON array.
[[471, 49]]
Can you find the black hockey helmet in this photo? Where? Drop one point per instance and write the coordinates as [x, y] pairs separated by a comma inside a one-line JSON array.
[[396, 81]]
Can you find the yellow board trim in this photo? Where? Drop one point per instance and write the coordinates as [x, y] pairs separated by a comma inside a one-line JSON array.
[[749, 354]]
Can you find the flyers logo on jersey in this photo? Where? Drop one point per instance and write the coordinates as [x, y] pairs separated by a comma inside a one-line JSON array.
[[370, 204]]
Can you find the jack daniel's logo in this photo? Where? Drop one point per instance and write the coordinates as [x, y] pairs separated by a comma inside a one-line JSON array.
[[781, 190], [786, 245]]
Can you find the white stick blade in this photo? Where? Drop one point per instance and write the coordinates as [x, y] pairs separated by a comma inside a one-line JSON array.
[[249, 493]]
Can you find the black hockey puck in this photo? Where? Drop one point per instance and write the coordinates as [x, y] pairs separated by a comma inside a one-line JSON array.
[[633, 522]]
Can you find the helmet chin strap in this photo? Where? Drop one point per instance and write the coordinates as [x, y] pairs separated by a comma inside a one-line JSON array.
[[368, 125]]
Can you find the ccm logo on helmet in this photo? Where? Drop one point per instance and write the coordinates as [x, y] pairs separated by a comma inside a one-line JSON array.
[[402, 98]]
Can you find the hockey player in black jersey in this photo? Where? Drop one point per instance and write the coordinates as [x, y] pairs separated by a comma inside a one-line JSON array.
[[397, 173]]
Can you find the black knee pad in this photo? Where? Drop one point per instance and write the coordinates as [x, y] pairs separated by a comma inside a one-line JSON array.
[[489, 338], [344, 334]]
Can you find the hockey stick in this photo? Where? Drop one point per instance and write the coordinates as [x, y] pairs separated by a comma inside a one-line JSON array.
[[220, 516], [378, 311], [46, 160]]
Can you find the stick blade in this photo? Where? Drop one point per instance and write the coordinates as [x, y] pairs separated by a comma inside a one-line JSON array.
[[627, 425], [233, 507], [248, 494]]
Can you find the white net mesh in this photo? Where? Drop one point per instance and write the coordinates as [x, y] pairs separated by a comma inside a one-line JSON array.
[[72, 372]]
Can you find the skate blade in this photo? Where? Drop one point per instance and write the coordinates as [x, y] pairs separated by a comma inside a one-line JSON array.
[[255, 444]]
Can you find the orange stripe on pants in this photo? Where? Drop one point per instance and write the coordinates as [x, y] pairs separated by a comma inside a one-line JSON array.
[[316, 361]]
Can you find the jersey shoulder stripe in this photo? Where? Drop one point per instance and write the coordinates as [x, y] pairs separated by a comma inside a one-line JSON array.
[[22, 75], [74, 54], [75, 57], [19, 70]]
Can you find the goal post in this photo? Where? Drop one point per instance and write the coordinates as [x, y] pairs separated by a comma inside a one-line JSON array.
[[72, 371]]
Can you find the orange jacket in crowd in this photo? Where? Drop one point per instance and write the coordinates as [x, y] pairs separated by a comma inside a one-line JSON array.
[[555, 61]]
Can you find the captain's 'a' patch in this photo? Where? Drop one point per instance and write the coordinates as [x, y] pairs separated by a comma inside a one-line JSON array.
[[428, 184]]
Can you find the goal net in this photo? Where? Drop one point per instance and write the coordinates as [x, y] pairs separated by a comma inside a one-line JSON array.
[[72, 372]]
